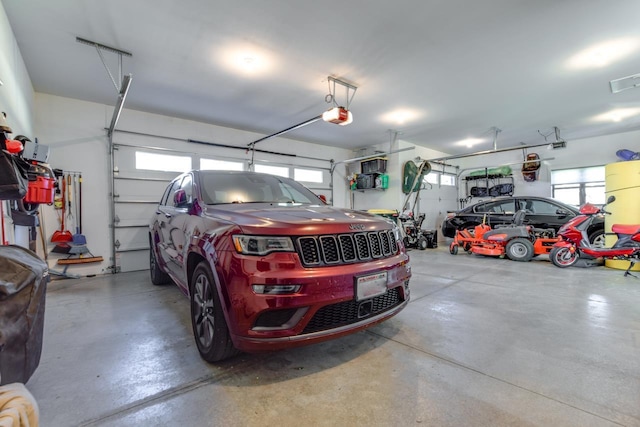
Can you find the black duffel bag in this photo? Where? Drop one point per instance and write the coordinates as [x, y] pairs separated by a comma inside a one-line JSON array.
[[14, 179], [501, 190], [23, 283]]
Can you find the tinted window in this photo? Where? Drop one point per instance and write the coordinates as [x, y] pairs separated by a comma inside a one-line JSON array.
[[539, 207], [503, 206], [252, 188], [187, 186], [167, 198]]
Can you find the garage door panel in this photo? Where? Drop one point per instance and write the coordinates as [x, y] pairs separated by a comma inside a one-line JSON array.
[[133, 261], [140, 190], [135, 213], [132, 238]]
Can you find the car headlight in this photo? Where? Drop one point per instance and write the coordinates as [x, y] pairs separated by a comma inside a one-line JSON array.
[[261, 245]]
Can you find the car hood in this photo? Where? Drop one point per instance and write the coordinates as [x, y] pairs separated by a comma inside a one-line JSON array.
[[267, 218]]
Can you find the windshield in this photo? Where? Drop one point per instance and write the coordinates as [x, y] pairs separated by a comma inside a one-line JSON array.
[[248, 187]]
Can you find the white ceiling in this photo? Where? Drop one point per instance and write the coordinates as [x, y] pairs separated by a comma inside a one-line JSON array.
[[462, 67]]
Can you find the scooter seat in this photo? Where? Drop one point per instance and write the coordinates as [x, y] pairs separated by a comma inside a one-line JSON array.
[[625, 229]]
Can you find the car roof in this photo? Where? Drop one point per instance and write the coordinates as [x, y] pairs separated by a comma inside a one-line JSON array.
[[470, 208]]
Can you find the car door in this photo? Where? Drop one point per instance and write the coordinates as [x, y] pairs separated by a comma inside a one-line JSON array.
[[544, 213], [163, 214], [169, 219], [496, 212]]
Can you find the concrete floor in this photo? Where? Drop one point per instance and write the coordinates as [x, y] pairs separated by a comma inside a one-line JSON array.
[[484, 342]]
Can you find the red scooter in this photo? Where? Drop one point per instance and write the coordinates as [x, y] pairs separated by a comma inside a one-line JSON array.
[[575, 241]]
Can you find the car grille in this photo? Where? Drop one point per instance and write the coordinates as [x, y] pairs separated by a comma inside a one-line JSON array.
[[344, 313], [338, 249]]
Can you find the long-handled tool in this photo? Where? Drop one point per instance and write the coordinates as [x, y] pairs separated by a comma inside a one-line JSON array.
[[79, 238], [62, 235]]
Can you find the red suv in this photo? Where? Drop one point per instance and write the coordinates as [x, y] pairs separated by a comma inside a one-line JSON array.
[[267, 265]]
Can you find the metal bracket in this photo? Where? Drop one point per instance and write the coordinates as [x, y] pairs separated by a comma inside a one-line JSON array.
[[99, 48], [331, 96]]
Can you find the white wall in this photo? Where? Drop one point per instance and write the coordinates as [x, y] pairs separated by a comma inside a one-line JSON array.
[[597, 151], [74, 130], [16, 100], [16, 93]]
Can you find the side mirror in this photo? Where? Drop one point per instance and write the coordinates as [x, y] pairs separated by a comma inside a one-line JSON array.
[[180, 198], [611, 199], [561, 212]]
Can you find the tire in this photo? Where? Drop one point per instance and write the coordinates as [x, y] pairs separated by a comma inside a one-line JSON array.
[[562, 257], [158, 277], [470, 226], [519, 249], [467, 247], [422, 243], [597, 239], [209, 325], [453, 249]]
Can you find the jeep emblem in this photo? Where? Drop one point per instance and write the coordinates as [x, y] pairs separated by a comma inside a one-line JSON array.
[[356, 226]]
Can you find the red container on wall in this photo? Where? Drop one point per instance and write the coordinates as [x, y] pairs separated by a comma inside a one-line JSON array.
[[41, 187], [40, 191]]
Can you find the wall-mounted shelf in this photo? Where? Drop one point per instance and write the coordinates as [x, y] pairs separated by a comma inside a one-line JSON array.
[[490, 185]]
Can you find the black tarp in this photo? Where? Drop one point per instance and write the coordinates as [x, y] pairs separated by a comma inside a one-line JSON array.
[[23, 283]]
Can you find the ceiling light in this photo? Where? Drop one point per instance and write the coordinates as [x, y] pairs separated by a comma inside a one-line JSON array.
[[617, 115], [338, 115], [247, 60], [400, 116], [470, 142], [603, 54]]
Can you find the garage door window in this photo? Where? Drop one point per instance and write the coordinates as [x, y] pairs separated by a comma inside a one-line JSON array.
[[162, 162], [447, 179], [273, 170], [307, 175], [220, 165]]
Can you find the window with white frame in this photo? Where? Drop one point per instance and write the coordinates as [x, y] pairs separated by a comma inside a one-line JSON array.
[[308, 175], [162, 162], [272, 170], [221, 165], [432, 178], [448, 179], [579, 186]]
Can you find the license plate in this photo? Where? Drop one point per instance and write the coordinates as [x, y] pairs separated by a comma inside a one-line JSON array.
[[371, 286]]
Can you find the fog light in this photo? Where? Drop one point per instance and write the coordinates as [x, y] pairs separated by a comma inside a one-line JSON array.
[[276, 289]]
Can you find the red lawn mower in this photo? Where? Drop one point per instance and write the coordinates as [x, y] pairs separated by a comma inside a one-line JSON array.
[[517, 241]]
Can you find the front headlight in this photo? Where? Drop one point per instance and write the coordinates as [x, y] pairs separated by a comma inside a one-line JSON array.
[[261, 245]]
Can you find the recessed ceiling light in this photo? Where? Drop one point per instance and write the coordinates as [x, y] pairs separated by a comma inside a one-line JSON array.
[[603, 54], [470, 142], [400, 116], [247, 60], [617, 115]]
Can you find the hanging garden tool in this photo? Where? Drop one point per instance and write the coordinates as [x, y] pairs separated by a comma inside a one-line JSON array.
[[62, 235], [79, 238], [78, 247]]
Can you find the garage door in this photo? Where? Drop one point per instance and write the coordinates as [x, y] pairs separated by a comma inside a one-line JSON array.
[[141, 174], [135, 197]]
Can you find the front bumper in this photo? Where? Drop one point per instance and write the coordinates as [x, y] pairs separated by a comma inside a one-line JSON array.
[[324, 307]]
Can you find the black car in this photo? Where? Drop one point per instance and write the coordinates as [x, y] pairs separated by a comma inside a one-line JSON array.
[[541, 212]]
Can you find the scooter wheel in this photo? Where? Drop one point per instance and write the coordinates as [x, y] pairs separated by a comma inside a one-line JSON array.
[[519, 249], [563, 257], [453, 249]]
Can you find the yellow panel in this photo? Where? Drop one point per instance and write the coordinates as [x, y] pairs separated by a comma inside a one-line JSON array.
[[623, 182]]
